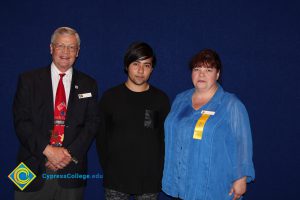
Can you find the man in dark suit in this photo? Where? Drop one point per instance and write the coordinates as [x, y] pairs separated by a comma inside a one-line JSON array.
[[55, 118]]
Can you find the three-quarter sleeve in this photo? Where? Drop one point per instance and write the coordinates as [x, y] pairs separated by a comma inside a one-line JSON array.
[[242, 141]]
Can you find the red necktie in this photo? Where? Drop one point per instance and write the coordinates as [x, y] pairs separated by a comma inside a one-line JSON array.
[[60, 110]]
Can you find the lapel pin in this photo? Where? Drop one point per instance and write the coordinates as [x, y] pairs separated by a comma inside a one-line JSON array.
[[76, 87]]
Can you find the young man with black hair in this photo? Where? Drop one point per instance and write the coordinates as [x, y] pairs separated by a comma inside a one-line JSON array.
[[131, 141]]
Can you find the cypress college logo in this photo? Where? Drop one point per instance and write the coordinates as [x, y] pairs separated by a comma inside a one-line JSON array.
[[21, 176]]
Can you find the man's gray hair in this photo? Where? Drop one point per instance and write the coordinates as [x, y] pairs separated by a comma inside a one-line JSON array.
[[65, 30]]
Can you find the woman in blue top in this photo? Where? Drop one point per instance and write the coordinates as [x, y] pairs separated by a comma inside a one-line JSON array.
[[208, 152]]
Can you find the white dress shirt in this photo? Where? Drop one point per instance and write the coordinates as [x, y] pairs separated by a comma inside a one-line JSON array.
[[66, 81]]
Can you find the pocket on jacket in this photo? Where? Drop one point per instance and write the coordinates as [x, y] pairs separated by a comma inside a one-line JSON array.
[[151, 119]]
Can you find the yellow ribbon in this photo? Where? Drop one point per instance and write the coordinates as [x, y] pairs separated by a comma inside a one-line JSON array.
[[198, 131]]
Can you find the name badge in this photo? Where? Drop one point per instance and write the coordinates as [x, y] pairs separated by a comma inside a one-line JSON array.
[[198, 131], [84, 95], [208, 112]]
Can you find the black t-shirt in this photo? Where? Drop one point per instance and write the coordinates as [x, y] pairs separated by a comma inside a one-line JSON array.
[[131, 140]]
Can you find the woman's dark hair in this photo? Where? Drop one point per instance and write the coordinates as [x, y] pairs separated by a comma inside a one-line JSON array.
[[138, 51], [206, 58]]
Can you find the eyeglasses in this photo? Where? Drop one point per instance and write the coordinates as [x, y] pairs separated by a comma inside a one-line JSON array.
[[62, 47]]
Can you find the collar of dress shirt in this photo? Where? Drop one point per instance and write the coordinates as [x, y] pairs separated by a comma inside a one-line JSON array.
[[56, 72]]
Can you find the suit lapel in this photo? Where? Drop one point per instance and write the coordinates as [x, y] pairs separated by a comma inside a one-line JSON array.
[[73, 93], [47, 93]]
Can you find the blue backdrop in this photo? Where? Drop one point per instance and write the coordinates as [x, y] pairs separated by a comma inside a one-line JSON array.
[[258, 42]]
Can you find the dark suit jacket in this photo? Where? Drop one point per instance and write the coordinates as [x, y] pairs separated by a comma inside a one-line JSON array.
[[33, 120]]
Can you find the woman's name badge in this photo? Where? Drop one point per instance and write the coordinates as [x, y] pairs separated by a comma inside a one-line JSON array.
[[208, 112], [198, 131]]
